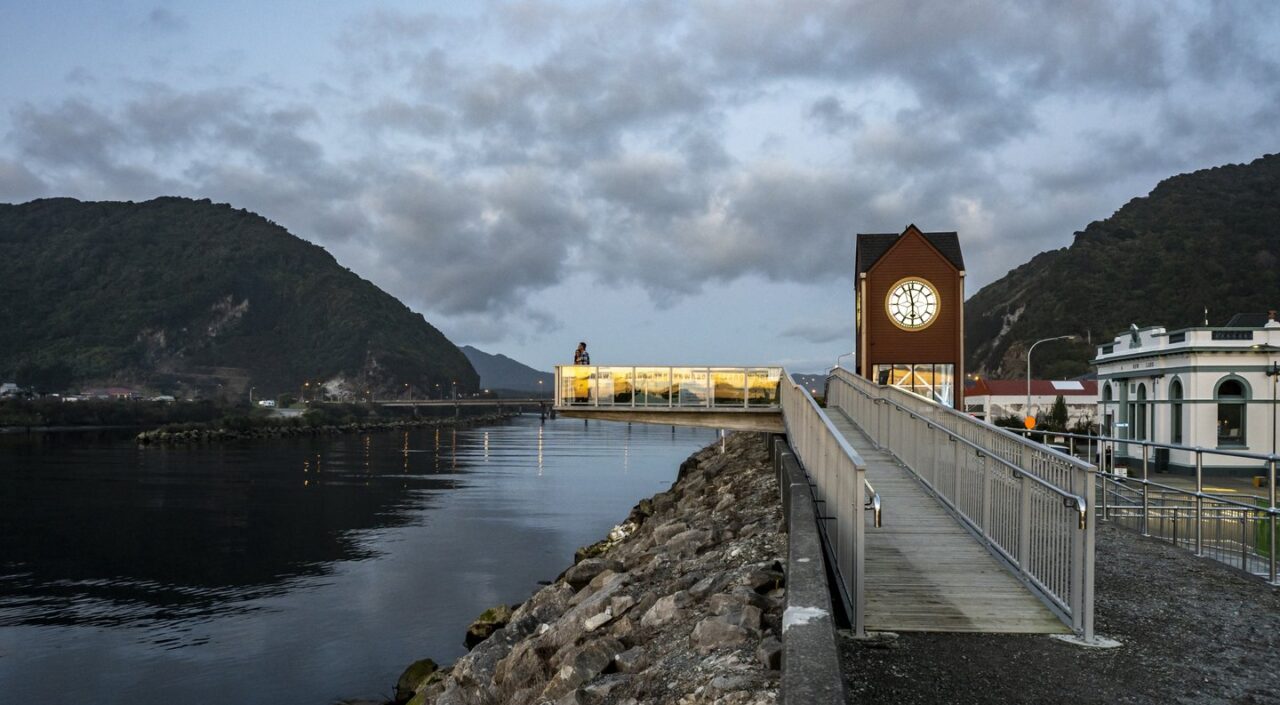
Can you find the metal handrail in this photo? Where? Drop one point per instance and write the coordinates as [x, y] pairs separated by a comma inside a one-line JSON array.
[[837, 473], [873, 503], [1050, 551], [1078, 502], [1270, 515]]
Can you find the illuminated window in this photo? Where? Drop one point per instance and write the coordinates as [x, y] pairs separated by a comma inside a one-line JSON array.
[[1231, 398], [935, 382]]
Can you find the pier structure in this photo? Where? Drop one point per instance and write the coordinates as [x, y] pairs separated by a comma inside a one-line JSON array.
[[931, 520]]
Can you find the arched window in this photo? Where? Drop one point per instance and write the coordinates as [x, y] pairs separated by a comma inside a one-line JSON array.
[[1175, 412], [1140, 420], [1231, 395], [1107, 412]]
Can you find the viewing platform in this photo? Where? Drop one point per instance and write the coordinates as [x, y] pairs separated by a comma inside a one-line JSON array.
[[729, 398], [985, 531]]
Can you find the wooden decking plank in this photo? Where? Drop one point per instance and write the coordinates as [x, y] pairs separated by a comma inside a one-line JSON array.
[[924, 571]]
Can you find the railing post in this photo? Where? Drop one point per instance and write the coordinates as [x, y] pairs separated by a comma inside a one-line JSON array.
[[986, 495], [1024, 523], [1199, 502], [859, 552], [1271, 518], [1244, 540], [1146, 492], [1106, 477]]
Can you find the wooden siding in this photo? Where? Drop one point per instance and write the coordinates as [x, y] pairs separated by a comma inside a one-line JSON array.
[[942, 342]]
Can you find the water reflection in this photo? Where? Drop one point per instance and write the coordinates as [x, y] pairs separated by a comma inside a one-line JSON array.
[[292, 570], [188, 531]]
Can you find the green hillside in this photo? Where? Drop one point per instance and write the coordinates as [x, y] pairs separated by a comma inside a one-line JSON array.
[[181, 295], [1209, 238]]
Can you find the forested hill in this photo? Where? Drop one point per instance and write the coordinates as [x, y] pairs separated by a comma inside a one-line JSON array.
[[499, 372], [1208, 238], [190, 296]]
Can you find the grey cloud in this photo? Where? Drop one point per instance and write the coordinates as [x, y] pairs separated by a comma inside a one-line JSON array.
[[71, 133], [818, 331], [165, 20], [418, 118], [382, 27], [478, 246], [830, 115], [650, 185], [80, 76], [18, 184]]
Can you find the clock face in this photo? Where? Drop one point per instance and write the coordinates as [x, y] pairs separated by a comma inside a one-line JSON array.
[[912, 304]]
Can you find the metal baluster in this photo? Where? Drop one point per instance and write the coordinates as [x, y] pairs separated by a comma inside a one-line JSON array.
[[1271, 519], [1199, 502], [1146, 492], [1244, 540]]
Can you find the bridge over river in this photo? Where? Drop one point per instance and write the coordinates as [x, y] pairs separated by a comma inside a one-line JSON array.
[[932, 520]]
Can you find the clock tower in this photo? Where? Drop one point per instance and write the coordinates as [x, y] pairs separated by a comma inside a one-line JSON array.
[[910, 312]]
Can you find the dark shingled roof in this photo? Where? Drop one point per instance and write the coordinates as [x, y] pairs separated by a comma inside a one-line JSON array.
[[872, 246]]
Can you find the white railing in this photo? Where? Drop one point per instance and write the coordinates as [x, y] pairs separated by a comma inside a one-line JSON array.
[[1026, 501], [1240, 530], [653, 387], [837, 474]]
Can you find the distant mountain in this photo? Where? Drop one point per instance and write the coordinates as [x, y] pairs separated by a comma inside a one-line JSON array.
[[182, 295], [1210, 238], [499, 372]]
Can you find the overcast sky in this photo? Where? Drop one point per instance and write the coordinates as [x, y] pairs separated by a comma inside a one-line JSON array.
[[670, 181]]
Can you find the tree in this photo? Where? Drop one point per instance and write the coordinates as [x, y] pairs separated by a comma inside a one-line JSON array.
[[1058, 416]]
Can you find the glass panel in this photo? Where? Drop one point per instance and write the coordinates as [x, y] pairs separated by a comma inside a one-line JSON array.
[[577, 384], [944, 383], [614, 385], [689, 384], [1230, 424], [653, 386], [729, 387], [932, 381], [1177, 424], [763, 386]]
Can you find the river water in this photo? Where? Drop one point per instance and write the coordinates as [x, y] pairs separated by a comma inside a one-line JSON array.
[[294, 570]]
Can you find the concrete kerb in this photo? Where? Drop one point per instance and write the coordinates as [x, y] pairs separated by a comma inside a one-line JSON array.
[[811, 671]]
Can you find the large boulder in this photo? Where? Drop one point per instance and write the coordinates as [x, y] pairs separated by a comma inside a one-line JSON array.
[[489, 621]]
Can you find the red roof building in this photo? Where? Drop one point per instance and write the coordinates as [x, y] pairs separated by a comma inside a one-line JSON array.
[[992, 398]]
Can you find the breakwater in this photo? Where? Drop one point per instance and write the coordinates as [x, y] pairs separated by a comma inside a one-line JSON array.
[[208, 433], [681, 603]]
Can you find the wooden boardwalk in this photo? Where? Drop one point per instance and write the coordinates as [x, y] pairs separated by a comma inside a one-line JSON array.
[[925, 571]]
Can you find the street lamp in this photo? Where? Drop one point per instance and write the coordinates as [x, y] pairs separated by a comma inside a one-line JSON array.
[[539, 389], [1272, 371], [1027, 412], [251, 395]]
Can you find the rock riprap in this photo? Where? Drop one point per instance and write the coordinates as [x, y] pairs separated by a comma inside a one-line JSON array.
[[680, 604]]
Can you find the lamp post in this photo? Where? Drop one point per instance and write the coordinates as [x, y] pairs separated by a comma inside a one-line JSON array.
[[1272, 370], [1027, 412]]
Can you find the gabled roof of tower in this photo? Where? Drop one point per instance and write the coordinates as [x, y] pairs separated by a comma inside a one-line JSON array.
[[872, 246]]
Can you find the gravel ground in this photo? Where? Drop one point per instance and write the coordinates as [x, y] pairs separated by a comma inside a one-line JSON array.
[[1191, 629]]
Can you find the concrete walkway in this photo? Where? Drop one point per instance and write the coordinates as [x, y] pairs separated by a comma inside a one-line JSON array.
[[925, 572]]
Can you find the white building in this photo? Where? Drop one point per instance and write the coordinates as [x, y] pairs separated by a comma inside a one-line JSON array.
[[990, 399], [1212, 388]]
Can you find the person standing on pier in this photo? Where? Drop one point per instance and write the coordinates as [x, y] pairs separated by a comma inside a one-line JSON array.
[[580, 356]]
